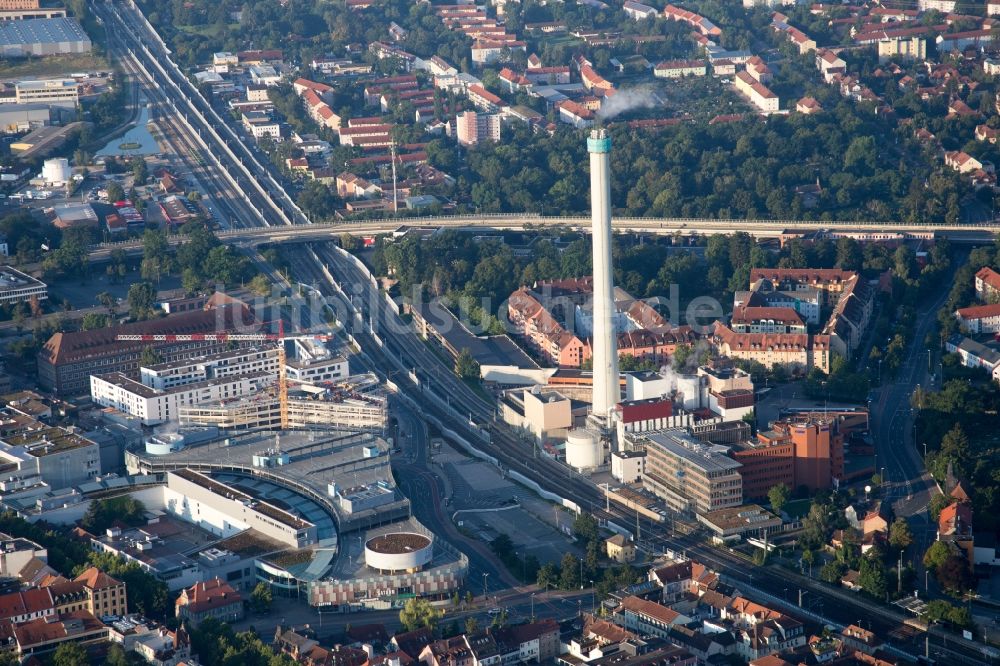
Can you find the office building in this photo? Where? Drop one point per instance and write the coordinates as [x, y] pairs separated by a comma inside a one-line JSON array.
[[68, 359], [355, 403], [37, 456], [57, 92], [154, 406], [16, 287], [689, 475], [805, 450], [227, 364]]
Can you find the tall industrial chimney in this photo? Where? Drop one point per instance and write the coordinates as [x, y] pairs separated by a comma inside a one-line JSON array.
[[607, 392]]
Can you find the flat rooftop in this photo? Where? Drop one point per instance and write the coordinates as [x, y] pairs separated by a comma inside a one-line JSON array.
[[11, 278], [487, 350], [47, 440], [209, 358], [316, 459], [706, 457], [121, 380], [43, 30], [228, 492], [170, 543], [397, 543], [350, 561]]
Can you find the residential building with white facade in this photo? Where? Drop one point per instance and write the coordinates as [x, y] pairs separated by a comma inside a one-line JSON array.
[[980, 318], [154, 406], [755, 91]]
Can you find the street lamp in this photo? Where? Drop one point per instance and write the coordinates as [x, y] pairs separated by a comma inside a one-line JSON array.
[[532, 606], [593, 603], [485, 588]]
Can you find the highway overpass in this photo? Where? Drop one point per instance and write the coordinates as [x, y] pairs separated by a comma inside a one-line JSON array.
[[252, 237]]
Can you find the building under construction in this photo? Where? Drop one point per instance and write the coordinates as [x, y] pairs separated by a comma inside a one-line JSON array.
[[355, 403]]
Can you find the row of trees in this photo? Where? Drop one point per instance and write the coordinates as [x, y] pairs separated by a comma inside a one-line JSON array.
[[200, 259]]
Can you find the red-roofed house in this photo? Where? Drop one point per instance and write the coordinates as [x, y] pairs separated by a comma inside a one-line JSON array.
[[45, 634], [955, 522], [829, 64], [987, 133], [575, 114], [648, 617], [758, 94], [32, 604], [962, 162], [483, 99], [767, 320], [594, 81], [512, 80], [959, 109], [213, 598], [798, 351], [675, 69], [106, 595], [301, 85], [988, 285], [758, 69], [808, 106], [979, 318]]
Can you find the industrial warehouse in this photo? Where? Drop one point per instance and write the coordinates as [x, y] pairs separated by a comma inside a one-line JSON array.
[[42, 37]]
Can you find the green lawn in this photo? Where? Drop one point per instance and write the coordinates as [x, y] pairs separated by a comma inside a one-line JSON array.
[[50, 66], [210, 31], [797, 508]]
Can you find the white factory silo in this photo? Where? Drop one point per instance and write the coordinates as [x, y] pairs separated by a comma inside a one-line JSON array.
[[56, 171], [607, 391], [584, 449]]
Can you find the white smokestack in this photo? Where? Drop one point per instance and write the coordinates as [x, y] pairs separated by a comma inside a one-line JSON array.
[[607, 391]]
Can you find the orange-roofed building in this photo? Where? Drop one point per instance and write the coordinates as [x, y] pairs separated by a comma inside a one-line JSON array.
[[648, 617], [106, 595], [213, 598]]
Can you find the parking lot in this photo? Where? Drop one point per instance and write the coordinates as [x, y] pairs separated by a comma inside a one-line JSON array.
[[484, 504]]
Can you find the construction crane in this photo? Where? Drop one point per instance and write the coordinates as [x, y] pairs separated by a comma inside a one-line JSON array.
[[278, 337]]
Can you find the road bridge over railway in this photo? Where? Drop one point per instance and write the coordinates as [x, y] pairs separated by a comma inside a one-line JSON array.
[[253, 237]]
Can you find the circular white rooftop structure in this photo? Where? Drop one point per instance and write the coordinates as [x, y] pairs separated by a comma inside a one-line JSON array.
[[584, 449], [399, 551]]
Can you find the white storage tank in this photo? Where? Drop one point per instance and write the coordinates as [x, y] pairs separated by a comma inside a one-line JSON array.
[[584, 449], [56, 171]]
